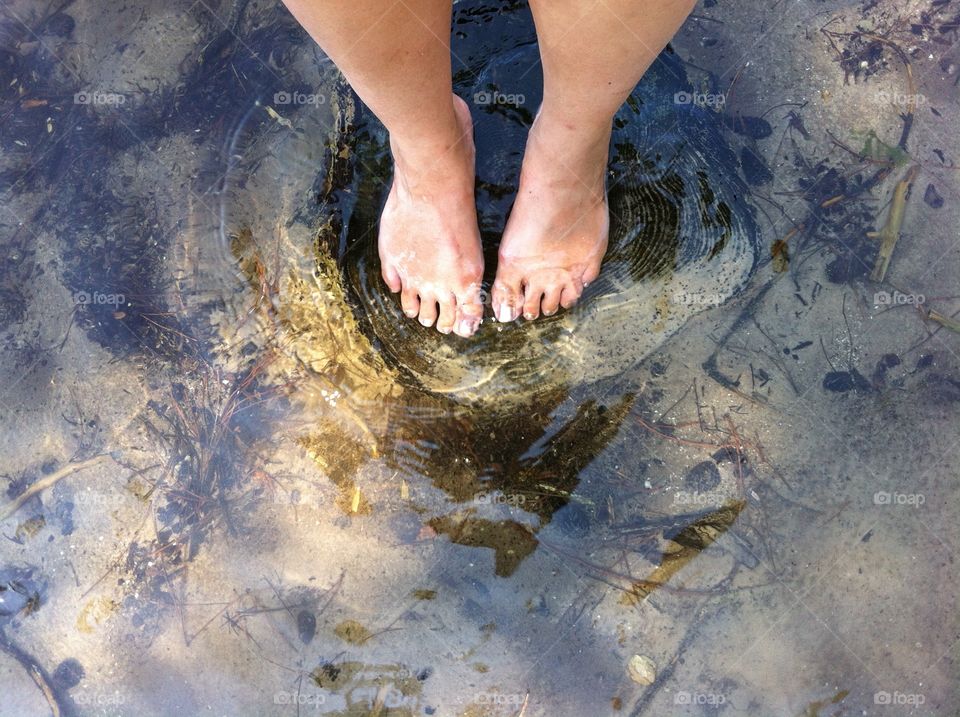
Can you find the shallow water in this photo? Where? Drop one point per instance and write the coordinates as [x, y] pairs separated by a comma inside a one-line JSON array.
[[735, 457]]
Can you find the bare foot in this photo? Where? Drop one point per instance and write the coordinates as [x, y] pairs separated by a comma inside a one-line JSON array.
[[556, 236], [429, 242]]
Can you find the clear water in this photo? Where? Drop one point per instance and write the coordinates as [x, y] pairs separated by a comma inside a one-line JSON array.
[[735, 458]]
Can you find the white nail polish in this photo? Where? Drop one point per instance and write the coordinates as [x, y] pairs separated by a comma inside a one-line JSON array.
[[506, 314], [426, 322], [465, 328]]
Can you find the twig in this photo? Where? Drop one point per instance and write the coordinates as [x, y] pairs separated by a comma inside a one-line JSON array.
[[47, 481], [890, 233], [945, 321], [59, 706]]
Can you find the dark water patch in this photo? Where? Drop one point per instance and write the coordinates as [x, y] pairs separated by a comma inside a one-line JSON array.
[[114, 225], [754, 168], [844, 381], [21, 592], [702, 477], [68, 674], [751, 127]]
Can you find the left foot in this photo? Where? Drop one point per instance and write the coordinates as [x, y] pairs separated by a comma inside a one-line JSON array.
[[556, 236]]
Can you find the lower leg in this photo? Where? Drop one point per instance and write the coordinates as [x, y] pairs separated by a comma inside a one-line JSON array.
[[593, 56], [397, 59]]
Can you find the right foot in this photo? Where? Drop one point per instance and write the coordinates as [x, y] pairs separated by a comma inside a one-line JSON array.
[[429, 243]]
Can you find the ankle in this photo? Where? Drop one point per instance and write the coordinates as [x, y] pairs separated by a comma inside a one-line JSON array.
[[564, 152], [440, 155]]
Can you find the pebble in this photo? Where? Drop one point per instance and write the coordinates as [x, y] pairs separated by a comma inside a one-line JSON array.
[[642, 670]]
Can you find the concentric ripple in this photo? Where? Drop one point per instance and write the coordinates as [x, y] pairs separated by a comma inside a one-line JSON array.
[[682, 238]]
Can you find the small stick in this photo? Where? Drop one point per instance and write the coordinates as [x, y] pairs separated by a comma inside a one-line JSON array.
[[47, 481], [890, 233], [380, 701], [946, 321], [45, 689]]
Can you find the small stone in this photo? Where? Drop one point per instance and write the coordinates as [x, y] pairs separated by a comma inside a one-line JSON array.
[[642, 670]]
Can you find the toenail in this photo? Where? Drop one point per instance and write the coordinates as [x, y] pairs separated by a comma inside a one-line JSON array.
[[549, 313], [466, 327], [444, 329], [529, 315], [410, 313], [426, 322], [506, 314]]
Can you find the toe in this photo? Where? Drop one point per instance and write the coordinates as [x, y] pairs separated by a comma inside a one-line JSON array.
[[469, 314], [551, 300], [531, 302], [428, 309], [590, 274], [507, 301], [410, 302], [470, 302], [570, 294], [466, 326], [391, 277], [448, 313]]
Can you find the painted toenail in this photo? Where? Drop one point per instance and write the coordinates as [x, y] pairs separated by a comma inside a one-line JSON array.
[[466, 328], [426, 322], [506, 314]]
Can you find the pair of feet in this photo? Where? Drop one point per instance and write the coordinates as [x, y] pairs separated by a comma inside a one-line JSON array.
[[553, 243]]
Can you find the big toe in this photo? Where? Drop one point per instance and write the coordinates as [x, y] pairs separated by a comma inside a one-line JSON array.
[[391, 277], [507, 299], [469, 314]]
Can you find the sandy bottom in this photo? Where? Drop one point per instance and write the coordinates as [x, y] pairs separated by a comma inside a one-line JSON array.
[[763, 503]]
